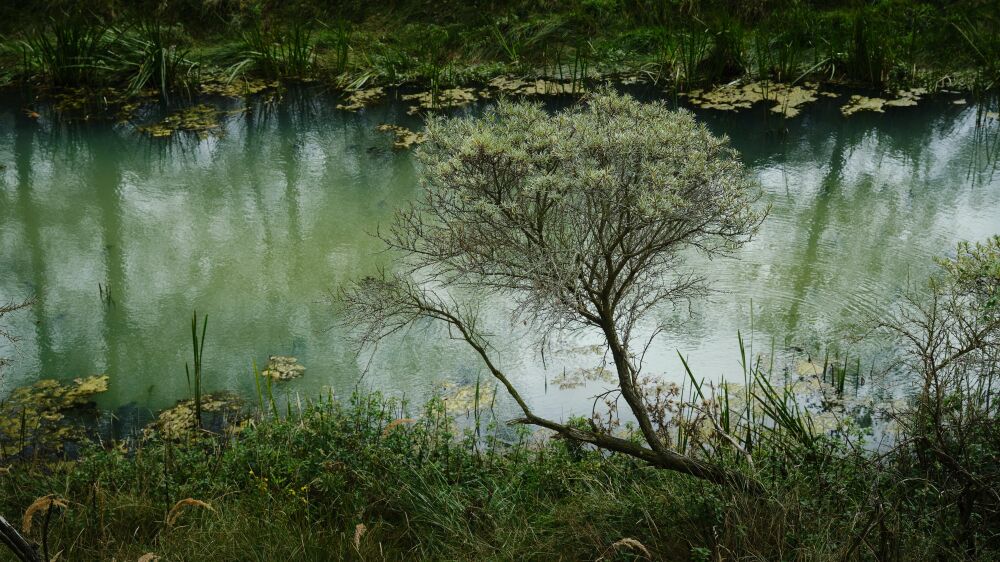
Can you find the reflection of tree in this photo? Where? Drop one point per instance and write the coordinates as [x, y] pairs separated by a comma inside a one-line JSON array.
[[23, 153], [105, 179], [804, 274]]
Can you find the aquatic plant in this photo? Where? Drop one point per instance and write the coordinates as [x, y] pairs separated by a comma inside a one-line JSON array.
[[198, 348], [69, 51], [288, 55], [150, 57]]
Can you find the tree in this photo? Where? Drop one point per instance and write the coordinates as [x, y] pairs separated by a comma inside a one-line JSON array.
[[950, 333], [580, 217]]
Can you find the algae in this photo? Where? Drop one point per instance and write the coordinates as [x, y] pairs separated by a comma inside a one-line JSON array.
[[404, 138], [200, 119], [787, 99], [180, 422], [443, 99], [38, 416], [283, 367], [360, 99]]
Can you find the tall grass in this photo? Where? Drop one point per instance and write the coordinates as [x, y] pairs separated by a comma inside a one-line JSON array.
[[286, 54], [69, 51], [151, 59], [198, 349]]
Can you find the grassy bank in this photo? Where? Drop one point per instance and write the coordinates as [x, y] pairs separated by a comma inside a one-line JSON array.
[[172, 47], [361, 481]]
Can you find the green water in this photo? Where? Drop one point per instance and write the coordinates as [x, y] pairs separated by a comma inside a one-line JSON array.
[[257, 226]]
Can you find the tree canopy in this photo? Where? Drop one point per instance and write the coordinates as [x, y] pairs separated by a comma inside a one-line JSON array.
[[580, 216]]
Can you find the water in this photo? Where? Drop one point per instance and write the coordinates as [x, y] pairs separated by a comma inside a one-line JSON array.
[[258, 226]]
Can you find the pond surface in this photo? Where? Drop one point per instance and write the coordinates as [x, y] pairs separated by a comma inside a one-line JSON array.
[[257, 226]]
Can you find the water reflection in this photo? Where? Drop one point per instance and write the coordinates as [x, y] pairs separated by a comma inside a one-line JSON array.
[[255, 226]]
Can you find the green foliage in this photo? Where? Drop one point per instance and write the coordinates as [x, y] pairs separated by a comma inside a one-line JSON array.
[[153, 59], [69, 50]]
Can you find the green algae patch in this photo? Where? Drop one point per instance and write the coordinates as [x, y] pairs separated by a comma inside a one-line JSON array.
[[904, 98], [38, 416], [403, 138], [514, 86], [441, 99], [462, 398], [283, 368], [786, 99], [219, 84], [360, 99], [201, 119], [180, 421]]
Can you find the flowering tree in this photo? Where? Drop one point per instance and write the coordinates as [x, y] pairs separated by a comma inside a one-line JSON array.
[[579, 216]]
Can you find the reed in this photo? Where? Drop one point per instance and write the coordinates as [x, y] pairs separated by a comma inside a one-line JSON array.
[[151, 58], [198, 349], [69, 51]]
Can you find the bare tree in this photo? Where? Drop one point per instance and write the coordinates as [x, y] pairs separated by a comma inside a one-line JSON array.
[[580, 217]]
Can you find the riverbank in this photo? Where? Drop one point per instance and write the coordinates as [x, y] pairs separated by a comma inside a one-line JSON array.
[[178, 51], [364, 480]]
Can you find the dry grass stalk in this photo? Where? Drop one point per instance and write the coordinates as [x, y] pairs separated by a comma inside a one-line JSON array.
[[175, 512], [42, 504], [632, 544], [359, 531]]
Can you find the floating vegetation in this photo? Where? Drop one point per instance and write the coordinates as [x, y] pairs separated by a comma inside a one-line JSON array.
[[788, 100], [283, 368], [538, 87], [232, 87], [201, 119], [904, 98], [442, 99], [580, 377], [404, 138], [36, 416], [360, 99], [182, 421], [467, 397]]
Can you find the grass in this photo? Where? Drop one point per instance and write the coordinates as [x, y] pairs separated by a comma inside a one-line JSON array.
[[360, 480], [198, 348], [689, 44]]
